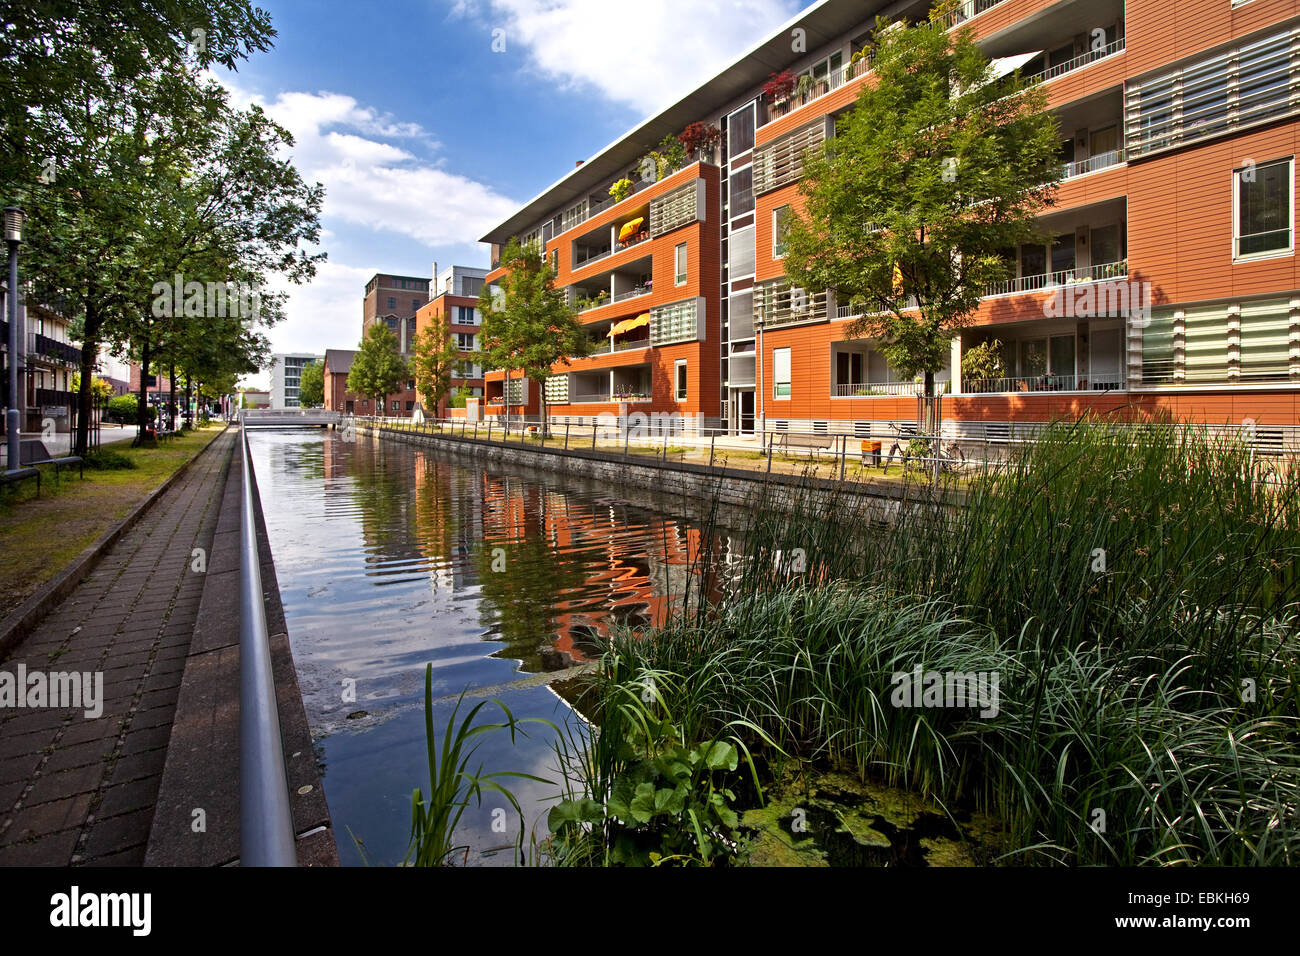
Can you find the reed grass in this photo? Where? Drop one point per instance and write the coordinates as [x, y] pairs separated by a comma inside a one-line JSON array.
[[1134, 587]]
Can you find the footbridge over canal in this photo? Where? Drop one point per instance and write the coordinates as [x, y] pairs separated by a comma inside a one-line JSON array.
[[291, 418]]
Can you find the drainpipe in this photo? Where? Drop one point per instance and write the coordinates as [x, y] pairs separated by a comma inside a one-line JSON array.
[[762, 391]]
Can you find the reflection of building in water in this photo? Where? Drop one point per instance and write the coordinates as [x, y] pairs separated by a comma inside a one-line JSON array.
[[632, 565], [448, 521]]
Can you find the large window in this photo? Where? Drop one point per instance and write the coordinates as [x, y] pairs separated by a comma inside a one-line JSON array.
[[679, 379], [742, 192], [740, 131], [780, 373], [1263, 216], [466, 315], [679, 264], [780, 215]]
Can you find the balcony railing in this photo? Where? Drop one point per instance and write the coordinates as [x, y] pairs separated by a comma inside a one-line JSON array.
[[1048, 280], [892, 389], [1113, 157], [1044, 383], [632, 293], [967, 11], [1082, 60]]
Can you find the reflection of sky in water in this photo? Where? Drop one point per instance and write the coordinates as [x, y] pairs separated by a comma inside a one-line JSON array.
[[385, 555]]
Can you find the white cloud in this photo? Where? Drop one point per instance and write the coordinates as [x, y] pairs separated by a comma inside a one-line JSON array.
[[373, 182], [379, 174], [646, 54]]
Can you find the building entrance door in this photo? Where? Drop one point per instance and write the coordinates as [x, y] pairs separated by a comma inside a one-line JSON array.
[[742, 412]]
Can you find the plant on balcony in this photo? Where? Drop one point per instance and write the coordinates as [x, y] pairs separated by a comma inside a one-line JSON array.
[[669, 156], [700, 139], [982, 363], [932, 173], [805, 87], [621, 189], [779, 86]]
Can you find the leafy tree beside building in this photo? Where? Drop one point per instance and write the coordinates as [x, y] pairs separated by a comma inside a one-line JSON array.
[[908, 211], [435, 359], [378, 369], [311, 385]]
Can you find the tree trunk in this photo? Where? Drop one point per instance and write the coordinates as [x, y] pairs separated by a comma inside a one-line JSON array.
[[929, 423], [171, 401]]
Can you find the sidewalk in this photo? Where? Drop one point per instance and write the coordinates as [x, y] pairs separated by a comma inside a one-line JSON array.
[[78, 790]]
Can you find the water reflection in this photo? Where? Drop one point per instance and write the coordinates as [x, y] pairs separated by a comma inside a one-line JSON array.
[[389, 557]]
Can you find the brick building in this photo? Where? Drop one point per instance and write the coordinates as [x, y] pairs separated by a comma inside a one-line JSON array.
[[1179, 138], [455, 303], [395, 300]]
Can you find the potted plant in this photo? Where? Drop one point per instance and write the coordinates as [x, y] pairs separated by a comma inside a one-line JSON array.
[[805, 87], [982, 365], [621, 189], [699, 139]]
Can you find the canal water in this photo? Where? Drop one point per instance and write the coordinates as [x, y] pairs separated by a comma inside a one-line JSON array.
[[390, 557]]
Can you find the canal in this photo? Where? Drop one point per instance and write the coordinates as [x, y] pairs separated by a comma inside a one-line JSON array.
[[390, 557]]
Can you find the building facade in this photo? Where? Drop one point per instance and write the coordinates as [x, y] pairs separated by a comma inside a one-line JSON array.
[[455, 304], [395, 300], [1168, 281], [286, 371]]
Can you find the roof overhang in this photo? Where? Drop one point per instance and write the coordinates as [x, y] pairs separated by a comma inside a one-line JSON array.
[[823, 22]]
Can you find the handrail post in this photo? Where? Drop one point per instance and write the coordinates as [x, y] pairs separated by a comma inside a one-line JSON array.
[[265, 819]]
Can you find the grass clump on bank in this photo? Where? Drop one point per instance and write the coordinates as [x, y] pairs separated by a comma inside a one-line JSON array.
[[1133, 589]]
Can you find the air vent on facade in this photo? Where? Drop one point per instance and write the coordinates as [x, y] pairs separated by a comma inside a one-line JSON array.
[[862, 429], [819, 428], [1269, 441], [997, 433]]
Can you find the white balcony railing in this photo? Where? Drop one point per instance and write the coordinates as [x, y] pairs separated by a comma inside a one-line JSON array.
[[869, 389], [967, 11], [1049, 280], [1082, 60], [1044, 383], [1113, 157]]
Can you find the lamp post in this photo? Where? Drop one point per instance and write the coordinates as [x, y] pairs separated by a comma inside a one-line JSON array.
[[13, 217]]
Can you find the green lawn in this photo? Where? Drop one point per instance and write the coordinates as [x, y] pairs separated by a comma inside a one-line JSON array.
[[43, 535]]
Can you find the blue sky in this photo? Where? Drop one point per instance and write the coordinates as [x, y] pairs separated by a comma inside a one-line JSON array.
[[424, 136]]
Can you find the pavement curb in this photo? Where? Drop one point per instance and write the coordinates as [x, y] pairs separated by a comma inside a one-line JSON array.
[[25, 618]]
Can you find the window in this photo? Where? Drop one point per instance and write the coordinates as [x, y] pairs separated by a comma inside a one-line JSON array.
[[415, 303], [679, 377], [410, 386], [470, 286], [466, 315], [395, 406], [742, 191], [741, 257], [780, 373], [740, 131], [410, 406], [679, 260], [392, 325], [392, 302], [1263, 209], [779, 217], [465, 341]]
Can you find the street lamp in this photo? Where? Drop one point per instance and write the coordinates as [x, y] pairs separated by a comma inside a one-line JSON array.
[[13, 419]]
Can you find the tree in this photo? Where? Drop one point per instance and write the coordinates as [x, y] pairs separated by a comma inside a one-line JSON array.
[[909, 209], [377, 369], [528, 325], [434, 360], [311, 386]]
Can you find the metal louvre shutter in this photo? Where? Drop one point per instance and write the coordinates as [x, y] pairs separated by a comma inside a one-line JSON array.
[[781, 161], [1205, 344], [1265, 349], [1158, 349]]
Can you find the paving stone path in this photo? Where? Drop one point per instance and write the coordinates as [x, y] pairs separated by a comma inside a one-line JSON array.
[[81, 791]]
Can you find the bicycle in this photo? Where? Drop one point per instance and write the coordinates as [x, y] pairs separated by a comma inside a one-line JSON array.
[[950, 457]]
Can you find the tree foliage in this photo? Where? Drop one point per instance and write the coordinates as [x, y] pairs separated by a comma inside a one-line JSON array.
[[311, 385], [936, 173], [378, 369], [435, 360], [528, 325]]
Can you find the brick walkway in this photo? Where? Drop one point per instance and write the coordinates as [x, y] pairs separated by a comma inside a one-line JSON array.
[[75, 790]]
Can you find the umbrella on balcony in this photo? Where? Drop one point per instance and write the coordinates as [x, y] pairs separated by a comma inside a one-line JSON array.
[[627, 325], [630, 228]]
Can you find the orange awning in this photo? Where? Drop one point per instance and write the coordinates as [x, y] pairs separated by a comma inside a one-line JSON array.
[[627, 325], [630, 228]]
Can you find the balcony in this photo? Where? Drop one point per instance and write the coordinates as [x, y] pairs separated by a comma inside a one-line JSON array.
[[1078, 62], [1092, 164], [1050, 280], [883, 389], [968, 11], [1047, 382]]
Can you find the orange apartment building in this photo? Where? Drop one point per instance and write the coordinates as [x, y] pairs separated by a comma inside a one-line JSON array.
[[455, 303], [1180, 130]]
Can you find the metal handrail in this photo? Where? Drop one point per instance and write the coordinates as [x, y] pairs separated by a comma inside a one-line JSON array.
[[265, 819]]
